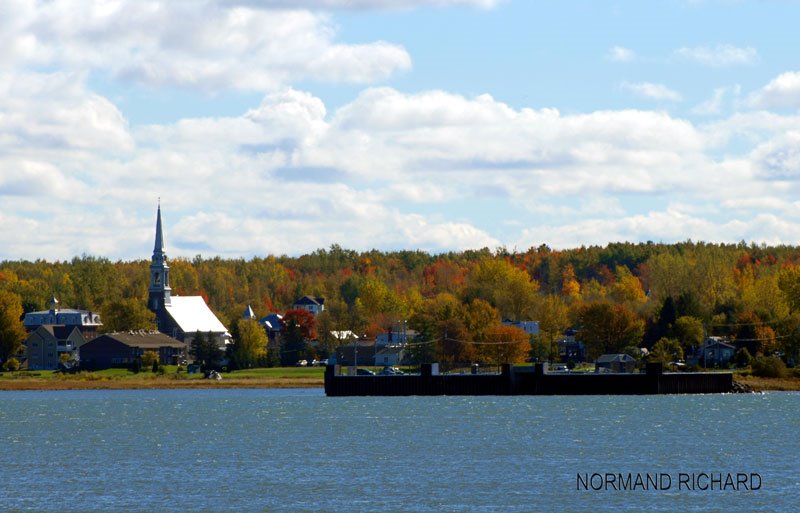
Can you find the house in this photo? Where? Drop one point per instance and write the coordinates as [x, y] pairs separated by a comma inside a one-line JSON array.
[[179, 317], [615, 363], [391, 338], [570, 349], [364, 350], [85, 320], [315, 305], [714, 352], [272, 324], [529, 327], [390, 355], [122, 349], [45, 345]]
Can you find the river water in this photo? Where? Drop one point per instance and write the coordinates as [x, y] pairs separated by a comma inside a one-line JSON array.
[[297, 450]]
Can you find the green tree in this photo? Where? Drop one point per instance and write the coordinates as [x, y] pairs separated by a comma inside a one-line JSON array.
[[12, 332], [205, 350], [127, 314], [666, 350], [689, 331]]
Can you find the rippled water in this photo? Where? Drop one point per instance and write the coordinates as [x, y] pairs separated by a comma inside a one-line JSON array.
[[296, 450]]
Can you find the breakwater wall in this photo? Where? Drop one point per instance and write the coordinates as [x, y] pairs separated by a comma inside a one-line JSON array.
[[528, 381]]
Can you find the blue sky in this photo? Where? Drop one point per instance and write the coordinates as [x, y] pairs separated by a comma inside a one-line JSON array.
[[442, 125]]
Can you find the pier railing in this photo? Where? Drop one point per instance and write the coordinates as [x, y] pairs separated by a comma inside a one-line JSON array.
[[534, 380]]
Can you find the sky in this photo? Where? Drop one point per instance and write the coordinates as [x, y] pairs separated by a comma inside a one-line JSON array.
[[278, 127]]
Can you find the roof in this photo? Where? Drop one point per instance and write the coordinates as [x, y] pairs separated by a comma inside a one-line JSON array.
[[390, 350], [621, 357], [62, 316], [248, 313], [143, 339], [310, 300], [272, 321], [191, 314]]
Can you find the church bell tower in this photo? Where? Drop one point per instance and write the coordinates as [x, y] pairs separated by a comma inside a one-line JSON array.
[[159, 292]]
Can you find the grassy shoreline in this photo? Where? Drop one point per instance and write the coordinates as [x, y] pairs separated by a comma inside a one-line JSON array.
[[121, 379], [279, 377]]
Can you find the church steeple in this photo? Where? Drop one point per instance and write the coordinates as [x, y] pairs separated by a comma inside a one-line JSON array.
[[159, 292]]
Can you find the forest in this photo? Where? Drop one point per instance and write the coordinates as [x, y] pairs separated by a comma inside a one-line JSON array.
[[651, 295]]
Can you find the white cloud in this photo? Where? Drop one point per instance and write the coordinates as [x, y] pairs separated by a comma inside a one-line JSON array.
[[363, 4], [214, 46], [663, 226], [779, 158], [621, 54], [386, 170], [781, 92], [719, 55], [652, 91], [712, 105]]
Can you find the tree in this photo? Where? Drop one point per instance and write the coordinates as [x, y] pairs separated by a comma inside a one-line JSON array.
[[504, 344], [127, 314], [608, 328], [250, 348], [689, 331], [12, 332], [553, 315], [666, 350], [455, 343], [304, 320], [150, 359], [205, 350]]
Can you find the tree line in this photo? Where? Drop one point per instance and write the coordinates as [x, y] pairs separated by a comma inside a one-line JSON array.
[[616, 296]]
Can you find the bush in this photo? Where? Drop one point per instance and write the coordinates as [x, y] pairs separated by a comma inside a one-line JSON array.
[[12, 364], [136, 366], [743, 357], [769, 367]]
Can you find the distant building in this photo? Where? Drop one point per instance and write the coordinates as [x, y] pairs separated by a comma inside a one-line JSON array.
[[45, 345], [179, 317], [714, 352], [315, 305], [272, 324], [529, 327], [86, 321], [364, 350], [615, 363], [390, 355], [122, 349], [393, 338]]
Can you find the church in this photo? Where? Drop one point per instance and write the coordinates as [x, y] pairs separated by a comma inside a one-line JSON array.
[[179, 317]]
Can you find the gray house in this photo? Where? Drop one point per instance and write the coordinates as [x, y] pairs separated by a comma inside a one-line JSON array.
[[615, 363], [45, 345]]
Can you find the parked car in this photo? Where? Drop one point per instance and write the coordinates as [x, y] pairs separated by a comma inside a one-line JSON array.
[[319, 363], [390, 371], [364, 372], [302, 363]]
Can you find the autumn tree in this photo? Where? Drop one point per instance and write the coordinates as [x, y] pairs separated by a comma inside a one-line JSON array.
[[249, 348], [553, 316], [455, 343], [606, 327], [504, 344], [149, 358], [12, 332]]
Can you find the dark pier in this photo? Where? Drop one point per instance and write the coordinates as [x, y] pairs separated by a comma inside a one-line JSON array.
[[528, 381]]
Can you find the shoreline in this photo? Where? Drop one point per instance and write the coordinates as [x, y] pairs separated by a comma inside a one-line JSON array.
[[155, 383], [32, 383]]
